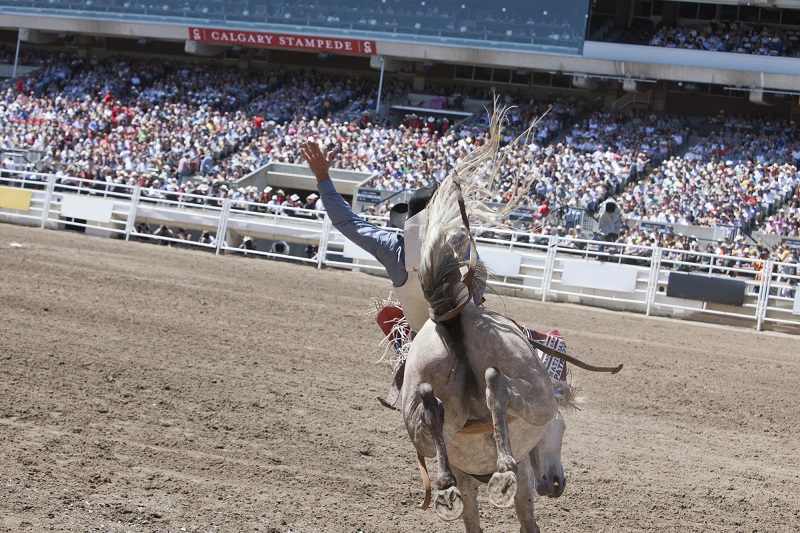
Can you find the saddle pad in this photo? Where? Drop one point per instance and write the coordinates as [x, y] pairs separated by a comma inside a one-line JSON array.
[[556, 368]]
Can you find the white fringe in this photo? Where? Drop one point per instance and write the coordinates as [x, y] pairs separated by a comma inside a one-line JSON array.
[[388, 350], [568, 396]]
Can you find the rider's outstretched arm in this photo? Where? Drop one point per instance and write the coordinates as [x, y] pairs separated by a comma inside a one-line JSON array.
[[386, 246]]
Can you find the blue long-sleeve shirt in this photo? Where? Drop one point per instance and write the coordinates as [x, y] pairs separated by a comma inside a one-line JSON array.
[[386, 246]]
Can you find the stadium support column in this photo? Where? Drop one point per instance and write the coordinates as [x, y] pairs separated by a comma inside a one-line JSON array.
[[16, 56], [380, 86], [385, 65]]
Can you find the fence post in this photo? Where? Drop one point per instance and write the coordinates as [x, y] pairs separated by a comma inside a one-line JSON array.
[[549, 265], [322, 251], [132, 213], [48, 199], [763, 293], [652, 280], [222, 226]]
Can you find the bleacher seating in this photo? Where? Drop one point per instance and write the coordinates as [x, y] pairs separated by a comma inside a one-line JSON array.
[[139, 132]]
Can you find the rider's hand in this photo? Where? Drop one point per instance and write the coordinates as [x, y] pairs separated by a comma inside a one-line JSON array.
[[318, 162]]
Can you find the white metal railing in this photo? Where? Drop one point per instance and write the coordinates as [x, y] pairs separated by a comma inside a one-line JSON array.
[[129, 212]]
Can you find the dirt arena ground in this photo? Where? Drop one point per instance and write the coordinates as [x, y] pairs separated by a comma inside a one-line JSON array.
[[149, 388]]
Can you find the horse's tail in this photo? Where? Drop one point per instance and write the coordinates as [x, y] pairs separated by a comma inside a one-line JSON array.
[[445, 244]]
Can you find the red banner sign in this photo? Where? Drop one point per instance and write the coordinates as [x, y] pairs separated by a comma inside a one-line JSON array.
[[332, 45]]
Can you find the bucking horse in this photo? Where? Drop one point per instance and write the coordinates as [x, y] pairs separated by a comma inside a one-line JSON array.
[[476, 396]]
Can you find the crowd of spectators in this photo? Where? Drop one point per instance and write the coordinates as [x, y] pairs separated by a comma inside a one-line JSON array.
[[738, 37], [189, 127], [27, 57], [157, 123], [737, 257], [741, 175]]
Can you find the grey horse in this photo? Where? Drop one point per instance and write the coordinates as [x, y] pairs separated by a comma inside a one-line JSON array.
[[477, 398], [475, 394]]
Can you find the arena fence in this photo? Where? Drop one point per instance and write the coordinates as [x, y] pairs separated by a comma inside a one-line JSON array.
[[645, 279]]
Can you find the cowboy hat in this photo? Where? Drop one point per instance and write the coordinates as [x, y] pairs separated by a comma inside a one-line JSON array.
[[403, 211], [398, 215]]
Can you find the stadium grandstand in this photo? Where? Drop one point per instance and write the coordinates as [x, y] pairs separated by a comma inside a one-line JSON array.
[[682, 113]]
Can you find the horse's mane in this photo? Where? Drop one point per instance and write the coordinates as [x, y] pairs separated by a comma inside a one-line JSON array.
[[445, 241]]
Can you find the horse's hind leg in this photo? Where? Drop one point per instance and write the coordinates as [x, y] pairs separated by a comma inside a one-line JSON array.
[[447, 504], [503, 485]]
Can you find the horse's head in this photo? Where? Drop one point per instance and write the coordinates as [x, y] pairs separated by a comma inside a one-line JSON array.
[[546, 459]]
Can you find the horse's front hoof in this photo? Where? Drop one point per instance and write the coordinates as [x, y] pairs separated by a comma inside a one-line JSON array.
[[448, 504], [502, 489]]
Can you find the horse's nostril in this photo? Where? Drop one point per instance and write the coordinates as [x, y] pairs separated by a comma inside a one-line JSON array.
[[558, 487]]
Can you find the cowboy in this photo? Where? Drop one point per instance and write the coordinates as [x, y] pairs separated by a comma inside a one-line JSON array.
[[399, 253], [388, 247]]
